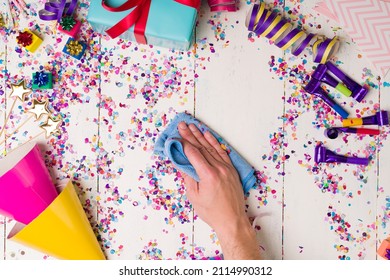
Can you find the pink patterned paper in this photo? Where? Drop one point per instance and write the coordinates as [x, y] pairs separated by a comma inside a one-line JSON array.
[[368, 24]]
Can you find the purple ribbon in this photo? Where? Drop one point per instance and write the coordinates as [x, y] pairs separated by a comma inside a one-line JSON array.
[[263, 23], [387, 254], [56, 9], [303, 45], [251, 25], [323, 48]]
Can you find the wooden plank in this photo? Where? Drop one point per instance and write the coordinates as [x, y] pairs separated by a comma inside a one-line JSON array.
[[142, 209], [237, 96], [72, 155], [383, 202], [330, 208], [2, 120]]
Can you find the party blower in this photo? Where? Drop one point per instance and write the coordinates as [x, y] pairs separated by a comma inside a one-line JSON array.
[[26, 188], [53, 224], [322, 154], [321, 75], [314, 87], [380, 118], [358, 91], [333, 132]]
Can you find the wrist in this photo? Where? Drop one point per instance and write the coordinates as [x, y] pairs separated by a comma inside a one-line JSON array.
[[235, 229], [238, 240]]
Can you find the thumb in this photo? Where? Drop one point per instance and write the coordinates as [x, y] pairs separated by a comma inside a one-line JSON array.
[[191, 187]]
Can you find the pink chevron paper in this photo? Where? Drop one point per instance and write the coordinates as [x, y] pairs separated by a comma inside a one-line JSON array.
[[368, 24]]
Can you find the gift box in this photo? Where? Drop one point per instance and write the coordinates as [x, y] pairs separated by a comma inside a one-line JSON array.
[[70, 26], [42, 80], [29, 40], [168, 24], [75, 48]]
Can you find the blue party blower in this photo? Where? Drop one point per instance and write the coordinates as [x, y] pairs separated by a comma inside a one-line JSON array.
[[169, 145]]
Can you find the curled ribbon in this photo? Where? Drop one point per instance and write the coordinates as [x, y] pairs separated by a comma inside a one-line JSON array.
[[56, 9], [137, 17], [74, 48], [387, 254], [272, 26], [223, 5], [67, 23], [24, 38], [41, 79]]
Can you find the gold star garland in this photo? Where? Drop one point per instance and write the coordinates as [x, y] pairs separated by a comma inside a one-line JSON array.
[[39, 109], [2, 22]]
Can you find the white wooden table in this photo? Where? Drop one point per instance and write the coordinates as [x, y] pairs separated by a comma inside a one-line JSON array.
[[117, 100]]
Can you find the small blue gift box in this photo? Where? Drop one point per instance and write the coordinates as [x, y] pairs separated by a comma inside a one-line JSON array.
[[169, 24], [75, 48]]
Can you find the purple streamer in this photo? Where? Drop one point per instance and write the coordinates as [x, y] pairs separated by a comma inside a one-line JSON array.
[[56, 9]]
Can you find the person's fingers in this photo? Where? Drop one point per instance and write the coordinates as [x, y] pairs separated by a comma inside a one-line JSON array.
[[188, 135], [217, 146], [202, 140], [196, 158]]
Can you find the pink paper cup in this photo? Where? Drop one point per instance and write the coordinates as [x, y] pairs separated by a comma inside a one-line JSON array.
[[26, 188]]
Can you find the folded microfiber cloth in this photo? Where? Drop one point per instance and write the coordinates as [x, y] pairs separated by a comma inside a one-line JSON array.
[[168, 144]]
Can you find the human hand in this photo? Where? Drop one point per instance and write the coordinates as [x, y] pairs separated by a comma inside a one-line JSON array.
[[218, 198]]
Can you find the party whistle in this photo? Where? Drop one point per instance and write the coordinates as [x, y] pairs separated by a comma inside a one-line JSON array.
[[380, 118], [314, 87], [322, 154], [321, 75], [358, 91], [333, 132]]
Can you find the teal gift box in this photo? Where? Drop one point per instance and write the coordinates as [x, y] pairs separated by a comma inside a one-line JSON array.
[[170, 24]]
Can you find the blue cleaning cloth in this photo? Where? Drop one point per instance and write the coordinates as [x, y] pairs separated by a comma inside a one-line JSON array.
[[168, 144]]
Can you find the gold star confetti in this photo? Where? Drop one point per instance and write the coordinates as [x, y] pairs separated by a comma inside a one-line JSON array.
[[19, 90], [39, 109], [51, 126]]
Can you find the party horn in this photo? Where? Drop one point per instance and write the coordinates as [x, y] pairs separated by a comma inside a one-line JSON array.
[[62, 230], [333, 132], [321, 75], [380, 118], [26, 188], [384, 249], [322, 154], [314, 88], [358, 91]]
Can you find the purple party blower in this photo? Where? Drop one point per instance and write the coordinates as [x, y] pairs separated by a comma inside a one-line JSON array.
[[321, 74], [358, 91], [380, 118], [314, 87], [322, 154]]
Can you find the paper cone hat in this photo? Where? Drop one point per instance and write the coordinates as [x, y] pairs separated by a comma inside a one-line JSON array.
[[62, 230], [26, 188]]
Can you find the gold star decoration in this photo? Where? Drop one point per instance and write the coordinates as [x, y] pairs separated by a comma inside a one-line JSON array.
[[39, 109], [19, 90], [2, 22], [51, 126]]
